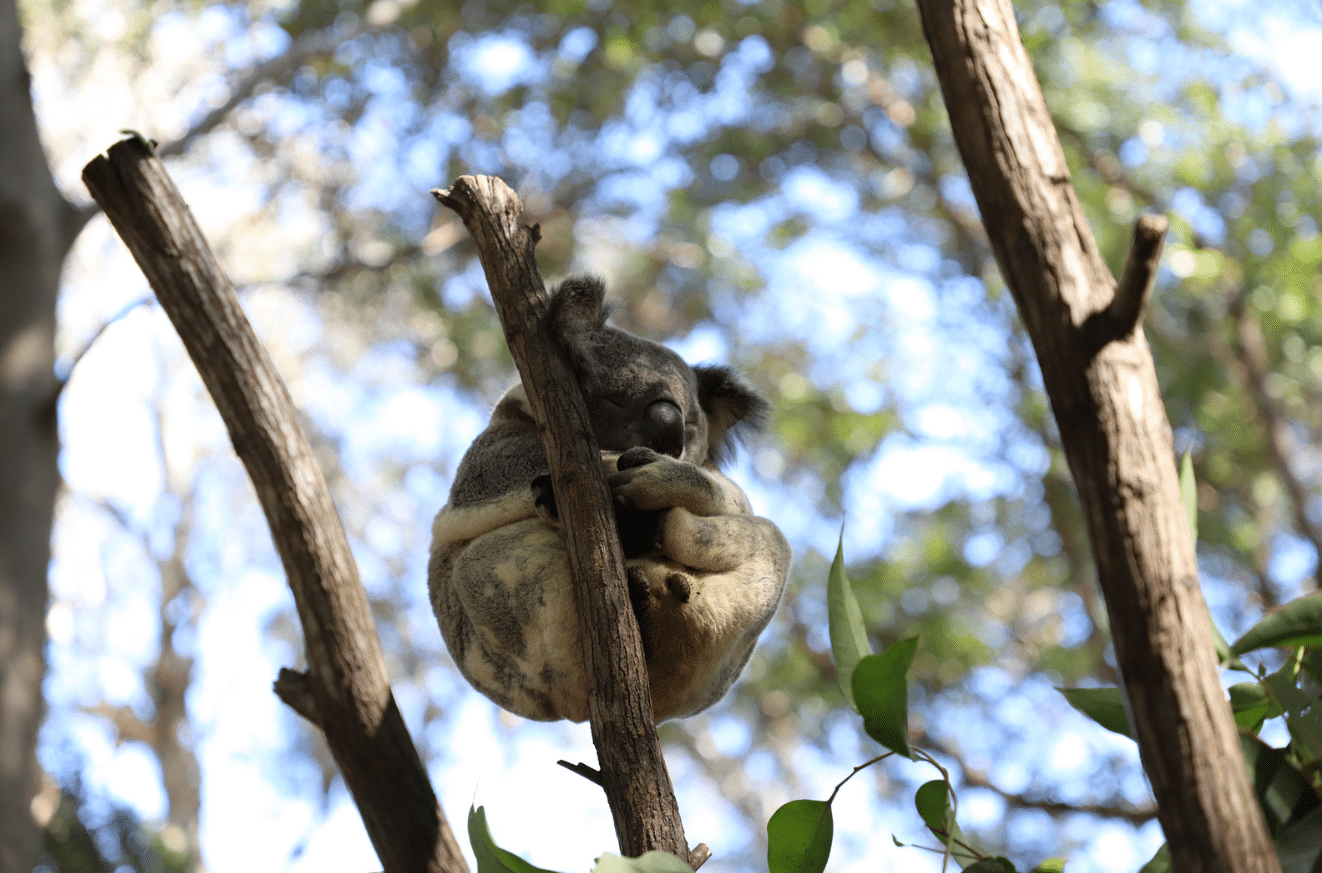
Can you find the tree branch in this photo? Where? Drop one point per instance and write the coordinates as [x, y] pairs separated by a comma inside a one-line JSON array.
[[1251, 350], [347, 674], [1114, 431], [633, 771], [1118, 809]]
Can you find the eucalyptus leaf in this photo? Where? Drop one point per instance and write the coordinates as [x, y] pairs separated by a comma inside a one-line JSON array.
[[849, 638], [991, 865], [650, 862], [1251, 705], [1189, 497], [1160, 863], [932, 800], [1299, 847], [1298, 623], [1303, 716], [1189, 494], [799, 837], [1283, 792], [1106, 706], [881, 690], [490, 857]]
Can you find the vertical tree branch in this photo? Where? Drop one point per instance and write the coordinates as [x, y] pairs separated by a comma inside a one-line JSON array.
[[1104, 393], [1251, 350], [36, 230], [634, 775], [347, 674]]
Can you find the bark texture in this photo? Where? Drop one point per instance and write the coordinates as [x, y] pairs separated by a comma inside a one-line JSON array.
[[1103, 388], [37, 225], [634, 775], [346, 691]]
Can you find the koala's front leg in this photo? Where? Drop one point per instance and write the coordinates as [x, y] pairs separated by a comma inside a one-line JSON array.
[[649, 481]]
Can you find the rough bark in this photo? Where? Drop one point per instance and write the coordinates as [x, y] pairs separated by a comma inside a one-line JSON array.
[[634, 775], [347, 683], [1099, 376], [37, 226]]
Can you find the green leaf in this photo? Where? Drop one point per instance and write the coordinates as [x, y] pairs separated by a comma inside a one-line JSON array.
[[1299, 846], [1106, 706], [490, 857], [650, 862], [1283, 791], [1189, 494], [932, 800], [1224, 656], [881, 690], [1189, 497], [1252, 705], [799, 837], [849, 639], [1160, 863], [991, 865], [933, 803], [1298, 623], [1302, 717], [1051, 865]]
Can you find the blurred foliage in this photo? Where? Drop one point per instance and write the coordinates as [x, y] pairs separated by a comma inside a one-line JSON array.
[[90, 834], [728, 166]]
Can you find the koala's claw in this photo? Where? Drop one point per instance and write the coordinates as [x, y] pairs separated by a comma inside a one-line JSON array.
[[636, 457]]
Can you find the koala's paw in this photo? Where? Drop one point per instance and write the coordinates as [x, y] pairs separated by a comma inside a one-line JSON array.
[[644, 480], [651, 482], [543, 500]]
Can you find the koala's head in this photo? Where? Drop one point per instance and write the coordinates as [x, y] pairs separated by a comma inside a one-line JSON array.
[[640, 393]]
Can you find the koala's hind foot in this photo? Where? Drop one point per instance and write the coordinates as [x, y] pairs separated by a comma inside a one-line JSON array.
[[676, 588]]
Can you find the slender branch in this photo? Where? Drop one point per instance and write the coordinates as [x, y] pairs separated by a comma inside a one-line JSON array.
[[347, 672], [1135, 815], [633, 771], [1251, 350], [305, 48]]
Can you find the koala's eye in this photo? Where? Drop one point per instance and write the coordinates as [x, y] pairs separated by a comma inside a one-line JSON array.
[[665, 428]]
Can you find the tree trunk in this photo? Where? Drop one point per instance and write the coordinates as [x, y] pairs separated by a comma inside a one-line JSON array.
[[1103, 388], [36, 227]]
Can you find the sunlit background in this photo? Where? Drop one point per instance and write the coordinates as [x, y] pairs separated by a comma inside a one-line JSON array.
[[766, 184]]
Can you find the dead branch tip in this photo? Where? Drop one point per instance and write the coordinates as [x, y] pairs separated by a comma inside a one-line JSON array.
[[588, 773], [292, 687], [1131, 297]]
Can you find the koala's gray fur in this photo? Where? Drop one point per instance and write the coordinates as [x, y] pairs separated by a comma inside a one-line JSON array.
[[705, 574]]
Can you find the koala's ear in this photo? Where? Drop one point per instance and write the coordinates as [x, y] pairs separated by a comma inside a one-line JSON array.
[[514, 405], [577, 310], [731, 406]]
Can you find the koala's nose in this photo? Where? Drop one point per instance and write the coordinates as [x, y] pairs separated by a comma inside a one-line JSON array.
[[665, 428]]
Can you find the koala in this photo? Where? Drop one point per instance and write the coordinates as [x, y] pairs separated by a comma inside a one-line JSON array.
[[704, 573]]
